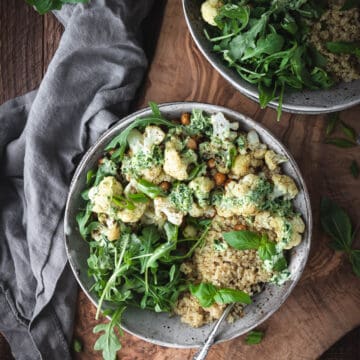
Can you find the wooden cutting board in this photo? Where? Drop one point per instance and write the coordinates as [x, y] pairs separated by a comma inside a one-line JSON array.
[[326, 303]]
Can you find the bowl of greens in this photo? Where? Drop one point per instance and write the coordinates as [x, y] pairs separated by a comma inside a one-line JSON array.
[[167, 221], [296, 56]]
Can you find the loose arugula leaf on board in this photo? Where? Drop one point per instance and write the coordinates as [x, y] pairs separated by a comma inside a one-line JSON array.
[[332, 121], [339, 142], [44, 6], [336, 223], [77, 346], [254, 337], [354, 168], [348, 131], [109, 342]]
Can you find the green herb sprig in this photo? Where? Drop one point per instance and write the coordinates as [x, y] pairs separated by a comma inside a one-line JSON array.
[[350, 139], [337, 224], [254, 337], [44, 6]]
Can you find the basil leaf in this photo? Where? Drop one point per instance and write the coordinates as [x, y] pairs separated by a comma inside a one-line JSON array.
[[332, 121], [348, 131], [254, 337], [280, 265], [149, 189], [344, 47], [354, 168], [267, 250], [339, 142], [204, 292], [336, 223], [228, 296], [355, 261], [242, 240]]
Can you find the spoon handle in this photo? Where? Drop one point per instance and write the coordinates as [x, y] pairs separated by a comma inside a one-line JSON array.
[[202, 353]]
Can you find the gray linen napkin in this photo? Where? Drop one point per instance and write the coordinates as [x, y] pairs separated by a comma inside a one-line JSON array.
[[90, 82]]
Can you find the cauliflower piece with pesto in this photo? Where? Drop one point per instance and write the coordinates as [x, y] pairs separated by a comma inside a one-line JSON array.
[[209, 10], [174, 165], [284, 186], [100, 196], [223, 128], [197, 211], [272, 159], [236, 200], [153, 135], [241, 166], [288, 232], [131, 215], [163, 206], [201, 187], [254, 144]]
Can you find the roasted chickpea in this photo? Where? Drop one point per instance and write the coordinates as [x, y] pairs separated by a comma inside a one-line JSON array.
[[191, 144], [211, 163], [185, 118], [239, 227], [165, 185], [219, 179]]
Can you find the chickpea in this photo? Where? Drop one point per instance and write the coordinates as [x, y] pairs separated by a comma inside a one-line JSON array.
[[211, 163], [191, 144], [238, 227], [165, 186], [185, 118], [219, 178]]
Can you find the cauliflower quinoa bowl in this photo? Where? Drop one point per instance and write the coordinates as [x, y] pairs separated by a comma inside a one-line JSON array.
[[185, 208]]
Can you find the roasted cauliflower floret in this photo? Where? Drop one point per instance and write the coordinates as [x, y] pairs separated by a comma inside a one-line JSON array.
[[209, 10], [131, 215], [100, 196], [272, 159], [223, 128], [197, 211], [152, 174], [288, 232], [241, 166], [174, 165], [189, 232], [284, 186], [112, 230], [153, 135], [201, 187], [163, 206]]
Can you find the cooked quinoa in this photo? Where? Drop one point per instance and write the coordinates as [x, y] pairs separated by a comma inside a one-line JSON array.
[[223, 266], [338, 25]]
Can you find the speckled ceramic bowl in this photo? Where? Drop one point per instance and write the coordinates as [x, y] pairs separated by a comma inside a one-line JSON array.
[[339, 97], [160, 328]]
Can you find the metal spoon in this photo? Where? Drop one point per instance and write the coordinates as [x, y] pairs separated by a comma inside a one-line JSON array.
[[203, 351]]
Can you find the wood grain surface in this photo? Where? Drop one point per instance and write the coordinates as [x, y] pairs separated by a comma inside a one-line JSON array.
[[326, 303]]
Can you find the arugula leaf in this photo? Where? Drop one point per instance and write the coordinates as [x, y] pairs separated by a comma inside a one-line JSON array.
[[82, 219], [122, 203], [254, 337], [243, 239], [108, 342], [336, 223], [138, 198], [354, 168], [339, 142]]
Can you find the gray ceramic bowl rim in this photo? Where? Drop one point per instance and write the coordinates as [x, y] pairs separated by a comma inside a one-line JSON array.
[[120, 126], [251, 92]]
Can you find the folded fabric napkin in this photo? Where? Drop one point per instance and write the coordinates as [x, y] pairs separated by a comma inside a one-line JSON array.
[[89, 84]]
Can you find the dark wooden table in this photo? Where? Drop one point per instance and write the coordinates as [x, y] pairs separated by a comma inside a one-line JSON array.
[[179, 72]]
